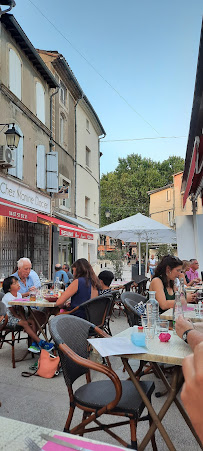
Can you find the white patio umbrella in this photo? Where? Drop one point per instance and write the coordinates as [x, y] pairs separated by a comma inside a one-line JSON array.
[[141, 229]]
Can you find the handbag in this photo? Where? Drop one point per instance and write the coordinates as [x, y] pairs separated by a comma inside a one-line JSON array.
[[48, 366]]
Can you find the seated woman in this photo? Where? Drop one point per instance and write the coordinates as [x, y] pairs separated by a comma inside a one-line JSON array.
[[84, 286], [11, 288], [163, 282]]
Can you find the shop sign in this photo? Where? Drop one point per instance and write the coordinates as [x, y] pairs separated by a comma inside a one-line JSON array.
[[16, 193], [76, 234], [17, 213]]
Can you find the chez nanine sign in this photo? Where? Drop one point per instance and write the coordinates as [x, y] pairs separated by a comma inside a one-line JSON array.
[[14, 192]]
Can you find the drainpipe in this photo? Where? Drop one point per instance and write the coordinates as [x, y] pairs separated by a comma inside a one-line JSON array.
[[75, 107], [100, 154], [51, 122], [194, 217]]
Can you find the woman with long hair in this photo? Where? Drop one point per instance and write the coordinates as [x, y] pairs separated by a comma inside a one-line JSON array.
[[85, 286], [166, 272]]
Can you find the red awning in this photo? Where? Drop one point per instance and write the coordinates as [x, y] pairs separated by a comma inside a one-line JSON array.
[[195, 178], [14, 211], [66, 229]]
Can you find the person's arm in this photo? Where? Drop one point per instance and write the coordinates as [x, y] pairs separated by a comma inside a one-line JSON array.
[[192, 392], [193, 337], [157, 285], [68, 293]]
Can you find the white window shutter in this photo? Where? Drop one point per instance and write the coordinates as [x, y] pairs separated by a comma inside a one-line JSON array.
[[40, 102], [41, 167], [52, 172], [17, 170], [14, 73]]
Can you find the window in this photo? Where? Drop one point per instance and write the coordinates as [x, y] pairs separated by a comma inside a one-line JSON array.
[[87, 125], [17, 169], [41, 167], [15, 73], [63, 93], [88, 154], [61, 130], [87, 206], [65, 187], [168, 195], [40, 102]]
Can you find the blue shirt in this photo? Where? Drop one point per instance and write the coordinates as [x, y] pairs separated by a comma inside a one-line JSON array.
[[59, 274], [29, 283], [35, 278]]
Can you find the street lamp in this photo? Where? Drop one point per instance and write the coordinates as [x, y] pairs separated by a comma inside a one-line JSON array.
[[12, 137]]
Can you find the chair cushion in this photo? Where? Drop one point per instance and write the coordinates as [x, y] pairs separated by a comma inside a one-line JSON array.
[[98, 394]]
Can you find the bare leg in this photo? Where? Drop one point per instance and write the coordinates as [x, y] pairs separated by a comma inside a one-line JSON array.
[[29, 330]]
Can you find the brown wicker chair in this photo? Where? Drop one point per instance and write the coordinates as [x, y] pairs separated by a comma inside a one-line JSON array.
[[111, 397]]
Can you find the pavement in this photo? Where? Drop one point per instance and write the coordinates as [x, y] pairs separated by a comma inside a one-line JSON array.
[[45, 402]]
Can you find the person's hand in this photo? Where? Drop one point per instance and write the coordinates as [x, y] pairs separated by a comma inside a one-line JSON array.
[[191, 297], [182, 325], [192, 392], [32, 288]]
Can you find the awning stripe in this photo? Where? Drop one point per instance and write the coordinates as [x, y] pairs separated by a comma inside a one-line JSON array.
[[67, 229], [190, 176]]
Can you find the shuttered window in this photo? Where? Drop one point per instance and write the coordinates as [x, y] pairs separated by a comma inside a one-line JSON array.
[[15, 73], [52, 172], [40, 102], [41, 167], [17, 169]]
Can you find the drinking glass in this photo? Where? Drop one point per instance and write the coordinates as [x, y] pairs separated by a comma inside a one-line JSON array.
[[144, 320], [149, 332], [162, 326]]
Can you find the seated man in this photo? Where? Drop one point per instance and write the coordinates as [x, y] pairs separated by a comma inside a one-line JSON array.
[[105, 277], [66, 268], [63, 277], [192, 274], [23, 275]]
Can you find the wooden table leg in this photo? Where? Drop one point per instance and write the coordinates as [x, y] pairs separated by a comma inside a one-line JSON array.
[[156, 420]]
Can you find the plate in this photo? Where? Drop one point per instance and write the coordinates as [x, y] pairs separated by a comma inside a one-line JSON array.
[[51, 297]]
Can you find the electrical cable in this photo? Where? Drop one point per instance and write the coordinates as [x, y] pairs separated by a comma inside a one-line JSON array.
[[140, 139], [98, 73]]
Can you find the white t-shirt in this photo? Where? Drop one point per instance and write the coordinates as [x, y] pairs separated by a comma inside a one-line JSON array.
[[9, 297], [152, 263]]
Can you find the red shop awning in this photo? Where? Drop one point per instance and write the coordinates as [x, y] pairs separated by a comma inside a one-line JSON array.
[[195, 177], [190, 176], [68, 230], [14, 211]]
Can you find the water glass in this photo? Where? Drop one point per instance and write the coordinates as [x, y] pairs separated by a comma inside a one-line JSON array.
[[149, 332], [162, 326], [144, 320]]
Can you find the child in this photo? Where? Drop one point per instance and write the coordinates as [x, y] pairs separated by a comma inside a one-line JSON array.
[[10, 287], [105, 277]]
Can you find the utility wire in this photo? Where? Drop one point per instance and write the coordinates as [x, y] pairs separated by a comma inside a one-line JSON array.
[[98, 73], [140, 139]]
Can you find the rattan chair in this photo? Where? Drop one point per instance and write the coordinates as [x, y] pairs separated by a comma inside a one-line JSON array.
[[130, 300], [10, 335], [96, 310], [111, 397]]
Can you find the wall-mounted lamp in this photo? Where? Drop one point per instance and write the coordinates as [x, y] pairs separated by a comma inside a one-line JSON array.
[[12, 136], [107, 213]]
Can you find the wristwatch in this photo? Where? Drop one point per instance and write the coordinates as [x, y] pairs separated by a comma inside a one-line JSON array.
[[184, 336]]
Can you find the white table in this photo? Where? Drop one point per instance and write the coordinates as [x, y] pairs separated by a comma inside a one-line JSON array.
[[172, 352], [13, 434], [188, 314]]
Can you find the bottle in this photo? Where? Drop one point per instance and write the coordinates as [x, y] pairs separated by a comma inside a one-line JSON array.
[[177, 310], [152, 309], [57, 285], [182, 292], [63, 287]]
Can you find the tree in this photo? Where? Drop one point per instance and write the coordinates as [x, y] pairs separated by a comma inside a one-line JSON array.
[[125, 191]]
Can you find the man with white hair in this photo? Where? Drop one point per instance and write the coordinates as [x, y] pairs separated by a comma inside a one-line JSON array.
[[23, 275]]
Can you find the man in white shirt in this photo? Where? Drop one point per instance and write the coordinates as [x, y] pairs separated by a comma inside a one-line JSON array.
[[152, 265]]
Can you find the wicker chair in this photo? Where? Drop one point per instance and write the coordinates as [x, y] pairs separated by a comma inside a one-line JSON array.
[[111, 397], [97, 311], [10, 334], [129, 301]]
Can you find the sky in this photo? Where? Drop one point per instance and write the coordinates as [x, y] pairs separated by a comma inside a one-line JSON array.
[[135, 61]]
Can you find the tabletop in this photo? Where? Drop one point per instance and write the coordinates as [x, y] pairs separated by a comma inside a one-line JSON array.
[[172, 352], [13, 434], [25, 302], [188, 314]]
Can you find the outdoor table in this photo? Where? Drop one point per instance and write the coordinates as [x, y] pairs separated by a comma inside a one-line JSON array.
[[173, 353], [188, 314], [14, 433], [25, 302]]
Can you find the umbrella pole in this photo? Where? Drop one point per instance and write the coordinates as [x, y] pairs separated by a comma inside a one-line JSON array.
[[146, 259], [139, 257]]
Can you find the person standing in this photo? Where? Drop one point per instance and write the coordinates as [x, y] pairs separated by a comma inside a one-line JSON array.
[[152, 265]]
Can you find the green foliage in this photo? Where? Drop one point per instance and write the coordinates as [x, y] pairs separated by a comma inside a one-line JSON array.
[[117, 259], [124, 191], [165, 249]]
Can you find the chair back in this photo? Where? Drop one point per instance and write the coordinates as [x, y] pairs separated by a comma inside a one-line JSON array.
[[2, 294], [132, 315], [73, 331], [133, 296], [2, 308], [98, 308]]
